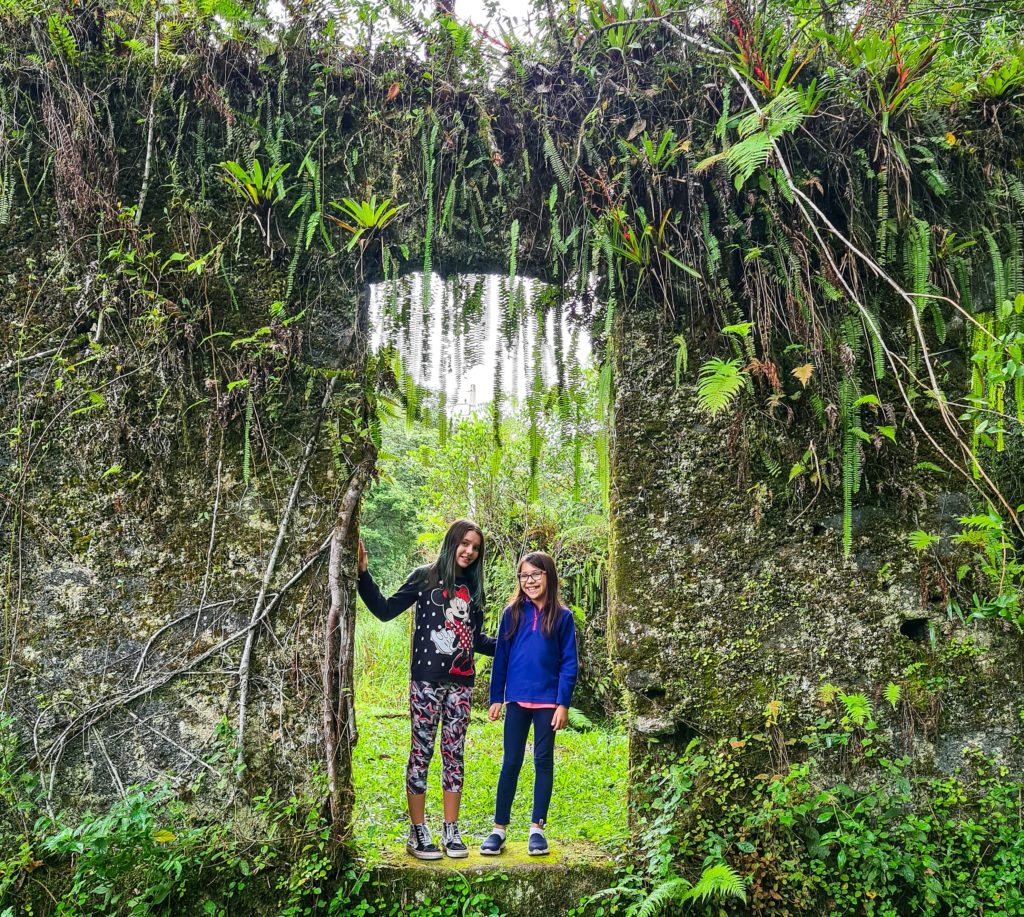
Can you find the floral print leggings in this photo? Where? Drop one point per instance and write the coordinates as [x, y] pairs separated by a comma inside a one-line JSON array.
[[430, 704]]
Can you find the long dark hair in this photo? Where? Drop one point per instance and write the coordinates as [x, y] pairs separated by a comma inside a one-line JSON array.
[[552, 599], [446, 570]]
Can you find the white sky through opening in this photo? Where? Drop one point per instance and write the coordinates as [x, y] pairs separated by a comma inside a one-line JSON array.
[[474, 386]]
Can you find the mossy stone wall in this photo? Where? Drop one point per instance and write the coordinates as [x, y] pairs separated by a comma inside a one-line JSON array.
[[725, 599]]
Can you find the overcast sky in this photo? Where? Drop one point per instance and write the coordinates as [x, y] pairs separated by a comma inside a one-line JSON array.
[[476, 10]]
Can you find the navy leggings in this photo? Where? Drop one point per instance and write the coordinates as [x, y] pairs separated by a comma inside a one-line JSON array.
[[517, 728]]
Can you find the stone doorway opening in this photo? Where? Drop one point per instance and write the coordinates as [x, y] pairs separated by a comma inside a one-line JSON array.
[[494, 417]]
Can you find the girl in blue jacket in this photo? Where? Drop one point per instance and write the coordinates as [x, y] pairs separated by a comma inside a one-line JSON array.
[[533, 676]]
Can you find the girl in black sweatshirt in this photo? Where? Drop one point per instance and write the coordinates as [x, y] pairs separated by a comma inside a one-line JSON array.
[[448, 595]]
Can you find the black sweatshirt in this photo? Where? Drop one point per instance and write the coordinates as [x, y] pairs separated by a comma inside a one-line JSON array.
[[449, 626]]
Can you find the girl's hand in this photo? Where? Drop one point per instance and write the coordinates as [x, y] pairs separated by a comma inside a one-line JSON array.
[[364, 561], [494, 712], [561, 718]]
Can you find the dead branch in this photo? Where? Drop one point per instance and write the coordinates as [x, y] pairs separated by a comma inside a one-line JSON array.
[[258, 611], [151, 119], [209, 548], [97, 711], [188, 614]]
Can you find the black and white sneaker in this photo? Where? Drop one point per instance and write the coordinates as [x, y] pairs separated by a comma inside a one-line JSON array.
[[538, 844], [451, 840], [493, 846], [421, 845]]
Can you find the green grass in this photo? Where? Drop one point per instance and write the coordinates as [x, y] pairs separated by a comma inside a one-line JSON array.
[[382, 661], [589, 799], [588, 803]]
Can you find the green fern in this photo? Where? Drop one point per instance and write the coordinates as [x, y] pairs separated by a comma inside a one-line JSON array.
[[893, 693], [429, 144], [917, 253], [936, 181], [858, 709], [849, 413], [719, 382], [6, 190], [555, 160], [579, 720], [1014, 260], [513, 250], [998, 271], [882, 221], [247, 436], [61, 39], [875, 343], [668, 892], [758, 131], [604, 413], [714, 251], [719, 882]]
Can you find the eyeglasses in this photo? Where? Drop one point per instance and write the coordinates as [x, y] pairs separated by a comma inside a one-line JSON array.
[[530, 577]]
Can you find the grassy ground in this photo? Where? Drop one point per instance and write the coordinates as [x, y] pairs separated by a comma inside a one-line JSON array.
[[589, 800]]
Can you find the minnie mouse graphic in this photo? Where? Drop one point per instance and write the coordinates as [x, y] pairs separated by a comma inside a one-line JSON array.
[[457, 637]]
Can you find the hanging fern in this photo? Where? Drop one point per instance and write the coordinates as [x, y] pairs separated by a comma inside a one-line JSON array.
[[513, 246], [714, 251], [6, 189], [555, 160], [1014, 266], [875, 342], [998, 272], [963, 283], [849, 414], [719, 382], [604, 413], [917, 254], [247, 438], [881, 250]]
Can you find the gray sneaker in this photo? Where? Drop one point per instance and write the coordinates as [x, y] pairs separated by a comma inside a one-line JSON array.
[[451, 841], [421, 845]]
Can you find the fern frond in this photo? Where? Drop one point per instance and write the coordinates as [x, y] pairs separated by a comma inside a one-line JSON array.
[[714, 258], [718, 881], [883, 216], [780, 116], [998, 271], [682, 356], [663, 894], [555, 160], [247, 447], [718, 384]]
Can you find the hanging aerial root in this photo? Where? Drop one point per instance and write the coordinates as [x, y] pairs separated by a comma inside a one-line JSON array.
[[339, 711], [259, 612]]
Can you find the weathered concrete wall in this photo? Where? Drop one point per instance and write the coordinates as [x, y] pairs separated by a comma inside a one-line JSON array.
[[724, 598], [109, 527]]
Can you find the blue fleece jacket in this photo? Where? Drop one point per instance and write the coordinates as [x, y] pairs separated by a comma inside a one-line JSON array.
[[531, 667]]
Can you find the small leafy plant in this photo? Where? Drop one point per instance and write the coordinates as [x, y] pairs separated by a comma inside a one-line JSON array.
[[260, 189], [363, 217]]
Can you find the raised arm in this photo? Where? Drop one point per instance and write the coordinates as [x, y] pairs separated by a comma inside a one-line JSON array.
[[384, 608]]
